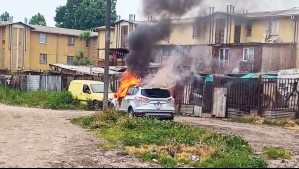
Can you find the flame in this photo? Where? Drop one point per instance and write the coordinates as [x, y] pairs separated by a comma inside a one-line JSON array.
[[128, 80]]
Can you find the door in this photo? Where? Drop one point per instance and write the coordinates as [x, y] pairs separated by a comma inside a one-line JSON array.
[[219, 102], [85, 93], [125, 101]]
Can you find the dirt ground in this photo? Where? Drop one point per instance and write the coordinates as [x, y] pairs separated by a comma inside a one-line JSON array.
[[46, 138]]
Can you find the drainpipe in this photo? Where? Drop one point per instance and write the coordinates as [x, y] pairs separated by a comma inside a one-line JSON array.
[[295, 40], [210, 26], [57, 48], [295, 28], [227, 23], [17, 60], [24, 47], [213, 25], [10, 45]]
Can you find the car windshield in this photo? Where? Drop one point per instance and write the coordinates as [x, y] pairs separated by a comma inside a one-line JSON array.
[[99, 88], [155, 93]]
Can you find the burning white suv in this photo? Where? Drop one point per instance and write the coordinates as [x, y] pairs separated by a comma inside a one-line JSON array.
[[147, 102]]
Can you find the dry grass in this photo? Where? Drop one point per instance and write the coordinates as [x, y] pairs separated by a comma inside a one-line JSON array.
[[178, 152], [270, 122]]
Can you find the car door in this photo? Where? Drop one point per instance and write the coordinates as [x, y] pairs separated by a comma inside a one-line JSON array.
[[85, 93], [126, 100]]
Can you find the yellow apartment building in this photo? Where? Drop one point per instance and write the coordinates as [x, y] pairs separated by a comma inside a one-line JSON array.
[[248, 42], [31, 47]]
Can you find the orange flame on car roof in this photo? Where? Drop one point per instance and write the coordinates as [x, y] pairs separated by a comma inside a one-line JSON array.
[[128, 80]]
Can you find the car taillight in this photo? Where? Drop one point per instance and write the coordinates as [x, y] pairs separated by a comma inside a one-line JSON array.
[[171, 100], [142, 99]]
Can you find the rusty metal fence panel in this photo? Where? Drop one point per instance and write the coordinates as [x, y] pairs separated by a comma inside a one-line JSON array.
[[280, 94], [51, 83]]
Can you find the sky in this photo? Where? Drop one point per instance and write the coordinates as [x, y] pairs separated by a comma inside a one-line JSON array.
[[20, 9]]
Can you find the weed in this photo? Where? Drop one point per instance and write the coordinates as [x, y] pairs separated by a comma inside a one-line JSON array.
[[274, 153]]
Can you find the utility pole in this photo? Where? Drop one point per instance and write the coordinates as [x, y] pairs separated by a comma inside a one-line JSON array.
[[107, 53]]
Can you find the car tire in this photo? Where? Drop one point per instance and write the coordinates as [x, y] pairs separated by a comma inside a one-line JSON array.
[[131, 113], [97, 105]]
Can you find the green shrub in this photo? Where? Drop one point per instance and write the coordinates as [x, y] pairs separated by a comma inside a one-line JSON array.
[[39, 99], [62, 100]]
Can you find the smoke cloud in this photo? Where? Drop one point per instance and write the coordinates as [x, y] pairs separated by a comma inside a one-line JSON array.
[[141, 43], [172, 72], [171, 7], [143, 39]]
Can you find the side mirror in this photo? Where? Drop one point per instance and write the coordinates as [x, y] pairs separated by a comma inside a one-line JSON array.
[[88, 91]]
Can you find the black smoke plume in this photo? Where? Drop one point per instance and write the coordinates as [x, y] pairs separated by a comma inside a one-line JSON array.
[[144, 38], [141, 43], [170, 7]]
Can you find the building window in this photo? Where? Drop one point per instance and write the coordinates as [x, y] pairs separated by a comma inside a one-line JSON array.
[[43, 58], [70, 60], [249, 29], [87, 43], [71, 41], [248, 54], [274, 27], [196, 30], [224, 54], [43, 38]]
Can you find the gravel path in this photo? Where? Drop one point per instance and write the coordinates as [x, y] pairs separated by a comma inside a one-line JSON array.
[[46, 138]]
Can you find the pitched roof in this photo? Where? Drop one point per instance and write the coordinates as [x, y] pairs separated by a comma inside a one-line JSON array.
[[101, 28], [63, 31], [3, 23], [86, 69]]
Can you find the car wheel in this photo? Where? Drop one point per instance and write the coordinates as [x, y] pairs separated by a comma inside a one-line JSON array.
[[131, 113], [97, 105]]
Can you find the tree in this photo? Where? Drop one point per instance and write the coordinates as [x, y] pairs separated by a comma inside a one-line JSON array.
[[84, 35], [5, 16], [81, 60], [83, 14], [38, 19]]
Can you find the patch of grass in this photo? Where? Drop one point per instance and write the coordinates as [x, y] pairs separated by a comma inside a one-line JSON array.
[[259, 120], [171, 144], [39, 99], [247, 119], [274, 153]]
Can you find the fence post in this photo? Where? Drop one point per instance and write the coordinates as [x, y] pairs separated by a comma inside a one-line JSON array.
[[297, 112], [260, 96]]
